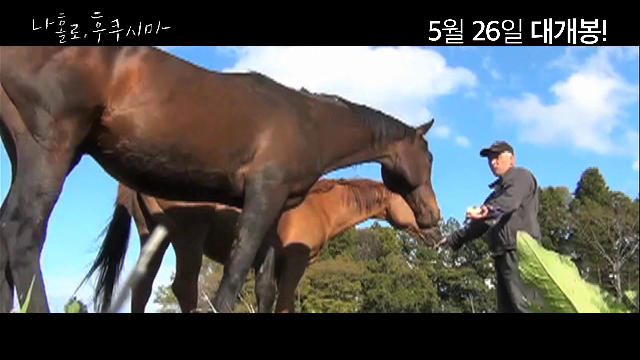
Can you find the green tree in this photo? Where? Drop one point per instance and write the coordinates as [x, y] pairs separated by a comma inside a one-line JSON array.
[[608, 236], [554, 218], [343, 243], [590, 195], [394, 282], [604, 231], [330, 286], [592, 187], [464, 279], [166, 299], [375, 242]]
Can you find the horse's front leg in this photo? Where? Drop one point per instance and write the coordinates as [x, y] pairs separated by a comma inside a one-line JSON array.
[[23, 224], [40, 167], [264, 199]]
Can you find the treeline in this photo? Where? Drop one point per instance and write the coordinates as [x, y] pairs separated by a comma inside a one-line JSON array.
[[378, 269]]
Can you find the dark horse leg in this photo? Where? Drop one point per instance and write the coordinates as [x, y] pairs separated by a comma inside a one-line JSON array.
[[40, 170], [265, 196], [39, 178], [265, 283], [6, 285], [295, 262], [187, 244]]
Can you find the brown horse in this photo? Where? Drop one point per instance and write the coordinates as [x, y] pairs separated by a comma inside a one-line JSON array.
[[330, 207], [171, 129]]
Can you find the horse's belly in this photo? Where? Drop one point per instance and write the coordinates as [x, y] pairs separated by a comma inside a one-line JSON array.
[[163, 170]]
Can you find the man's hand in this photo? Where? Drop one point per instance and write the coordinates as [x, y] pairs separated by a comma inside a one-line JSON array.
[[484, 211], [441, 242]]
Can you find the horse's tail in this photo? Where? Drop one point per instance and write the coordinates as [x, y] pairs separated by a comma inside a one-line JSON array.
[[110, 257]]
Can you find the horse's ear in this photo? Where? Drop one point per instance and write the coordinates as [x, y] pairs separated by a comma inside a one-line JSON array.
[[424, 128]]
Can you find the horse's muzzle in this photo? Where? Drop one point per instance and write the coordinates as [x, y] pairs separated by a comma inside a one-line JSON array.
[[431, 235]]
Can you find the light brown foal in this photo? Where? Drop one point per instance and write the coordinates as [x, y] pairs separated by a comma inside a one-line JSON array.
[[195, 229]]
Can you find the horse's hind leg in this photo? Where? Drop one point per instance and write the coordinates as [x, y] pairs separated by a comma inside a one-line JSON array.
[[265, 283]]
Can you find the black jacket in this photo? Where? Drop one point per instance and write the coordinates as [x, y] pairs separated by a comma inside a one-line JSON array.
[[513, 206]]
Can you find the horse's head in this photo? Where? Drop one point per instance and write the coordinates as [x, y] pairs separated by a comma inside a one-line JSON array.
[[406, 170]]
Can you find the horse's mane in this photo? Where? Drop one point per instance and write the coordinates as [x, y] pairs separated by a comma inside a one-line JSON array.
[[384, 126], [365, 193]]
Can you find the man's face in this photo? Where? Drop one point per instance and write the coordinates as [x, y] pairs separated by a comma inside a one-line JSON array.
[[500, 163]]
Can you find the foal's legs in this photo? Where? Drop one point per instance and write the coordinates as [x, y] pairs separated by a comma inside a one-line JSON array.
[[265, 197], [295, 262], [188, 246]]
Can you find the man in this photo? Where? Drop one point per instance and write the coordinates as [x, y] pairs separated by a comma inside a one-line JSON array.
[[511, 207]]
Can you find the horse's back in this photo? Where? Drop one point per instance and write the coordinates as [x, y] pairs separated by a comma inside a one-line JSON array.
[[166, 126]]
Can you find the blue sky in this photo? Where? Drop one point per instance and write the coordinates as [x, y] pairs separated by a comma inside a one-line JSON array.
[[563, 109]]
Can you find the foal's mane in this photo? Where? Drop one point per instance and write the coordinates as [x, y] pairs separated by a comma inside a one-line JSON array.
[[365, 193]]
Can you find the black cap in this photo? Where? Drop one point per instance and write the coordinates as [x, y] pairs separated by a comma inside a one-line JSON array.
[[496, 148]]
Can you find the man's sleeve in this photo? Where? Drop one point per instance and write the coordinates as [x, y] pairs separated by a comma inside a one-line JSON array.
[[474, 229], [516, 187]]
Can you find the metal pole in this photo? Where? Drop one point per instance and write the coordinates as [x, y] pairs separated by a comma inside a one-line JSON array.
[[146, 253]]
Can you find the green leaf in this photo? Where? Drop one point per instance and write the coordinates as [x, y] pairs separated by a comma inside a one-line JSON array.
[[73, 308], [559, 282], [25, 306]]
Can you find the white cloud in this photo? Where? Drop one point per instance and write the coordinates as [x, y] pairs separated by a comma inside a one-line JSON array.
[[400, 81], [462, 141], [445, 132], [486, 63], [588, 109], [635, 165], [441, 131], [471, 94]]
